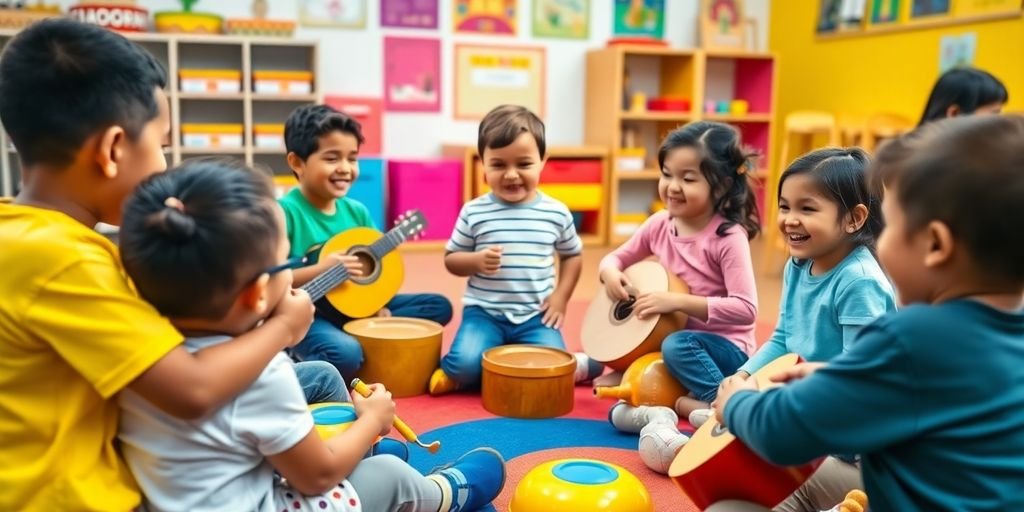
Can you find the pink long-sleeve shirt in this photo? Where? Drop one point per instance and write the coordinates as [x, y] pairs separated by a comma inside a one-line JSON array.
[[716, 267]]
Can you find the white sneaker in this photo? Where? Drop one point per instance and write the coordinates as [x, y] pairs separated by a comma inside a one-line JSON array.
[[700, 416], [587, 369], [659, 443], [627, 418]]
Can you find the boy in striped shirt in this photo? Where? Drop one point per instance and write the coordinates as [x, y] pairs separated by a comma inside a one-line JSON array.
[[506, 242]]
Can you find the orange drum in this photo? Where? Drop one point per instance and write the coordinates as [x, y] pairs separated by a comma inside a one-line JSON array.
[[399, 353], [613, 335], [528, 381]]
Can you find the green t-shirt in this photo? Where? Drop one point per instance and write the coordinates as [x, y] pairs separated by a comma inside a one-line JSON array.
[[308, 226]]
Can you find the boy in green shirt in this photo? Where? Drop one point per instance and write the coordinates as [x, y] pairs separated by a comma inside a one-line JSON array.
[[323, 149]]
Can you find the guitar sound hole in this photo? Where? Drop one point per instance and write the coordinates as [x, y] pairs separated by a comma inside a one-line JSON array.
[[624, 308], [371, 270]]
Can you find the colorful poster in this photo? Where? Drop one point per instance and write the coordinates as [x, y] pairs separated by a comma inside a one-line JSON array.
[[569, 19], [368, 112], [644, 18], [412, 74], [485, 16], [929, 8], [488, 76], [333, 13], [957, 51], [408, 13], [882, 12]]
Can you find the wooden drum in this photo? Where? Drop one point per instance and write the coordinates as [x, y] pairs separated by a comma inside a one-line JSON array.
[[399, 353], [613, 335], [528, 381]]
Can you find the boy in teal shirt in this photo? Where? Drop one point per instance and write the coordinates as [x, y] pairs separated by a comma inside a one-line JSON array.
[[323, 149], [931, 396]]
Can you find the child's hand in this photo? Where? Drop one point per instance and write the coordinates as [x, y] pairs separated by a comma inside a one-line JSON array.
[[352, 263], [656, 303], [554, 311], [296, 311], [729, 387], [378, 407], [489, 260], [383, 313], [797, 372], [616, 284]]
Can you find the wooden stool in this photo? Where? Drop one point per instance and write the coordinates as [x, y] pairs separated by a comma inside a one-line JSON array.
[[804, 126], [883, 126]]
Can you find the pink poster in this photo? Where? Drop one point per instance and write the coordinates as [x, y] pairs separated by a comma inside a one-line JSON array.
[[412, 74], [408, 13]]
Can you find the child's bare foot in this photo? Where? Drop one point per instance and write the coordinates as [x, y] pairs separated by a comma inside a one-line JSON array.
[[685, 405], [610, 379]]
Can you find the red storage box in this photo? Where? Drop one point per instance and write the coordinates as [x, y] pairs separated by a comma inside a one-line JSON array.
[[571, 171], [432, 187], [669, 104]]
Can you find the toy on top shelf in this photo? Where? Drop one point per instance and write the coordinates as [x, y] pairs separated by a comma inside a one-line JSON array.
[[119, 15], [186, 21], [16, 15]]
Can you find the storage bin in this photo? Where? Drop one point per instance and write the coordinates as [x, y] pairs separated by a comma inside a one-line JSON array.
[[282, 82], [214, 81], [370, 189], [571, 171], [268, 136], [197, 135], [433, 187]]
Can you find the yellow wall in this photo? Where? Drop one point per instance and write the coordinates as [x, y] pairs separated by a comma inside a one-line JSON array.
[[883, 72]]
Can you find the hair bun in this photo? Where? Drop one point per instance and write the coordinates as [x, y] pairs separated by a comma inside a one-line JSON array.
[[173, 223]]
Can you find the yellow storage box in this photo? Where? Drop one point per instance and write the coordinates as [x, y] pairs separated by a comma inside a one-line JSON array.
[[268, 136], [214, 81], [282, 82], [197, 135]]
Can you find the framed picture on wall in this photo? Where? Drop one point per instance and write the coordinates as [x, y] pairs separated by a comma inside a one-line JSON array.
[[644, 18], [840, 16], [488, 76], [722, 25], [883, 12], [408, 13], [567, 19], [412, 74], [333, 13], [929, 9], [496, 17]]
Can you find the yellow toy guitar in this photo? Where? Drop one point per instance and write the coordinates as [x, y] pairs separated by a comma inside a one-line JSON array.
[[360, 297]]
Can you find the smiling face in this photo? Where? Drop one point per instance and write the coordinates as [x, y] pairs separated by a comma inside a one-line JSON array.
[[683, 187], [810, 223], [329, 172], [513, 171]]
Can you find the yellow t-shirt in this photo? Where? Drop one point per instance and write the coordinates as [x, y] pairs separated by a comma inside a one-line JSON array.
[[73, 333]]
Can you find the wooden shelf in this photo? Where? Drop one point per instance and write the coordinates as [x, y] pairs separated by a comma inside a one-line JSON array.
[[212, 151], [211, 96], [738, 54], [285, 97], [656, 116], [649, 174], [746, 118], [660, 51]]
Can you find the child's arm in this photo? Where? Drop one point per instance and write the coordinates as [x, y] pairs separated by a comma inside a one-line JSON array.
[[569, 269], [190, 385], [461, 257], [859, 303], [635, 249], [810, 417], [301, 276], [313, 466], [776, 346]]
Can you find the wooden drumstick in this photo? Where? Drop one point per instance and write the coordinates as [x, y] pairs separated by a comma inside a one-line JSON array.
[[360, 387]]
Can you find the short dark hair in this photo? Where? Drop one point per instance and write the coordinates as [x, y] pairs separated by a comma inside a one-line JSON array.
[[841, 175], [192, 263], [306, 124], [62, 81], [725, 165], [504, 124], [968, 173], [967, 88]]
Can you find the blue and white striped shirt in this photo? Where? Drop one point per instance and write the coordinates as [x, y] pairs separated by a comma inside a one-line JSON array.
[[529, 235]]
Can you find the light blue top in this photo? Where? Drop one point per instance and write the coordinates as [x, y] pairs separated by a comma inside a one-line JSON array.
[[819, 316]]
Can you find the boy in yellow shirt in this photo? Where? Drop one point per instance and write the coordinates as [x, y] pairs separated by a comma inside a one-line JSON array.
[[86, 110]]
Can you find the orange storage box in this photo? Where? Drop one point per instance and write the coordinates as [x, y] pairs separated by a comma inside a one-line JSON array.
[[268, 135], [282, 82], [199, 135], [222, 81]]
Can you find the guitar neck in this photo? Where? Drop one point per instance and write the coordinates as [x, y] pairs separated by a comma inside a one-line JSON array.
[[338, 274]]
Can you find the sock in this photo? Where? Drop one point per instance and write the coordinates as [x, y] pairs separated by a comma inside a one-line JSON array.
[[446, 491], [586, 369]]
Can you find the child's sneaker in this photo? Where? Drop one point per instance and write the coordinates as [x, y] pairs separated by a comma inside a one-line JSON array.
[[441, 383], [586, 368], [391, 446], [474, 480], [659, 444], [700, 416], [627, 418]]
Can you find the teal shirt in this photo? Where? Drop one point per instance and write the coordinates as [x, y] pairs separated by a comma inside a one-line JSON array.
[[931, 396], [819, 316], [308, 226]]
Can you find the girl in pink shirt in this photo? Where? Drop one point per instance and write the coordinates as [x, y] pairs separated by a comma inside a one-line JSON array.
[[702, 236]]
